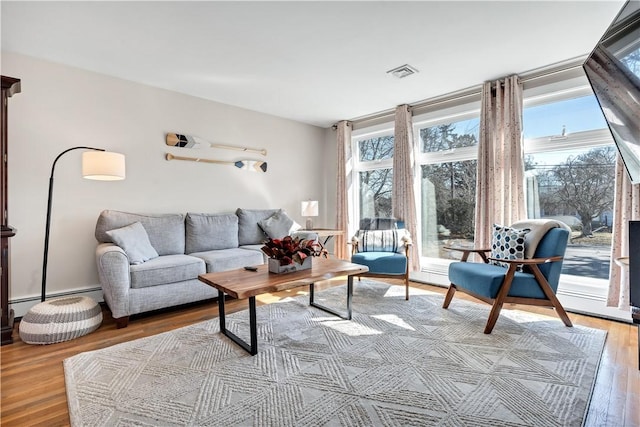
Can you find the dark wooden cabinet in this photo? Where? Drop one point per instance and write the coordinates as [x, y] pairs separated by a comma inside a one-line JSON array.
[[10, 86]]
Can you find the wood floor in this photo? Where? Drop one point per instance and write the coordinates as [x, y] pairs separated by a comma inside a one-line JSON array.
[[33, 389]]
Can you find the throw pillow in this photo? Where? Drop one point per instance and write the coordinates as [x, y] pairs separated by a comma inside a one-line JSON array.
[[507, 243], [279, 225], [381, 240], [249, 232], [134, 241]]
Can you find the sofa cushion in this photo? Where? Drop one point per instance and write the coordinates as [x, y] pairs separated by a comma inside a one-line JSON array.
[[228, 259], [257, 248], [249, 232], [133, 239], [165, 231], [206, 232], [279, 225], [166, 269]]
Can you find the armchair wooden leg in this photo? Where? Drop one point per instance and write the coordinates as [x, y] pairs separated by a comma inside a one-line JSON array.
[[561, 313], [493, 316], [497, 303], [449, 296], [551, 296], [406, 286]]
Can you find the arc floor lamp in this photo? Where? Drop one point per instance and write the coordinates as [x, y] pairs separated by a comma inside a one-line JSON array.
[[97, 164]]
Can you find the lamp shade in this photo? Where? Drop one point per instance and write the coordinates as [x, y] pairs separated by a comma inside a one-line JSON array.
[[103, 165], [309, 208]]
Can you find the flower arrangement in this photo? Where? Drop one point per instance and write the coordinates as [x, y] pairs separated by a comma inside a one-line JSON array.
[[289, 250]]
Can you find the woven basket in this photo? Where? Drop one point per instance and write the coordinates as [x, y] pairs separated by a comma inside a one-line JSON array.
[[60, 320]]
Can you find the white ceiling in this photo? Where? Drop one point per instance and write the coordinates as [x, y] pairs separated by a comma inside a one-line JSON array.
[[314, 62]]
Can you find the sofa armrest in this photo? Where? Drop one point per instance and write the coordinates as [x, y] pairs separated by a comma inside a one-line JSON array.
[[115, 277]]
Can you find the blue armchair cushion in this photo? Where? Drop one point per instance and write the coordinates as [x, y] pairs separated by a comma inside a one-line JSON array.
[[382, 262], [381, 240], [507, 243], [486, 279]]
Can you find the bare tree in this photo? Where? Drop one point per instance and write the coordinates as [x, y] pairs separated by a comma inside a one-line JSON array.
[[585, 183], [376, 185], [376, 148], [453, 182], [632, 61]]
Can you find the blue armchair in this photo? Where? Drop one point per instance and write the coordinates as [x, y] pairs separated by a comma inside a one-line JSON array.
[[383, 245], [525, 274]]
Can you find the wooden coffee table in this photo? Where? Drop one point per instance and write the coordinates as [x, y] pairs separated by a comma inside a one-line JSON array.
[[242, 284]]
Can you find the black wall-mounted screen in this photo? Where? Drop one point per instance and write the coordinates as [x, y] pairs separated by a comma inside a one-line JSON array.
[[634, 264], [613, 69]]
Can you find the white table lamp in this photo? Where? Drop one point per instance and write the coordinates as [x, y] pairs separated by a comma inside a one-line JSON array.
[[309, 208]]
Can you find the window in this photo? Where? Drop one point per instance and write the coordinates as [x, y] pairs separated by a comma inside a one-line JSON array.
[[375, 193], [570, 173], [374, 168], [375, 149], [448, 150]]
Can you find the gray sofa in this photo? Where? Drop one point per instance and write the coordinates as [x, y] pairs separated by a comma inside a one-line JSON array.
[[149, 262]]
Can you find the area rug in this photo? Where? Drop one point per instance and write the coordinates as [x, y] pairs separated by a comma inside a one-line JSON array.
[[397, 362]]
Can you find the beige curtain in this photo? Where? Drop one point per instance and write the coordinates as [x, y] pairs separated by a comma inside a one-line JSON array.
[[404, 202], [626, 207], [342, 206], [500, 174]]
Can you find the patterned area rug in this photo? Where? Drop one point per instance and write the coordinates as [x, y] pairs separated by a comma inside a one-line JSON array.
[[396, 363]]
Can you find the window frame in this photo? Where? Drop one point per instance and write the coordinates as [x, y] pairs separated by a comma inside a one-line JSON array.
[[580, 287], [581, 293], [431, 267], [384, 129]]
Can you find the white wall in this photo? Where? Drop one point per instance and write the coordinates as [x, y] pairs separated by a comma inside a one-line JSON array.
[[62, 107]]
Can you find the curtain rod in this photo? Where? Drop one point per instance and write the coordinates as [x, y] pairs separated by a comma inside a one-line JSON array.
[[573, 64]]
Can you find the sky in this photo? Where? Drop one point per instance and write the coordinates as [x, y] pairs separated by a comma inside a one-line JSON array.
[[578, 114]]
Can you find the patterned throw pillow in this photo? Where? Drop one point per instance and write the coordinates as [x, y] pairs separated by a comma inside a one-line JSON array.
[[381, 240], [507, 243]]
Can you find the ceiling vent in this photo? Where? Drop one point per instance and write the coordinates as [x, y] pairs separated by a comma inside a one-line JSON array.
[[402, 71]]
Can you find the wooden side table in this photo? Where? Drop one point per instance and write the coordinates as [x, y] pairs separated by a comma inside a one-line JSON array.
[[325, 233]]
